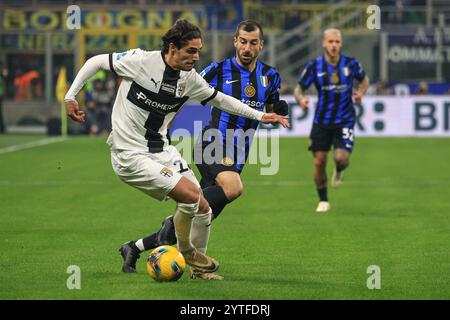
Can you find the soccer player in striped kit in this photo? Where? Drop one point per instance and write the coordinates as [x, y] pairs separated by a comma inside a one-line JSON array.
[[333, 75], [256, 84]]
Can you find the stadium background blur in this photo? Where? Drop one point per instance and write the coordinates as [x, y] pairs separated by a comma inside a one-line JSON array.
[[409, 55]]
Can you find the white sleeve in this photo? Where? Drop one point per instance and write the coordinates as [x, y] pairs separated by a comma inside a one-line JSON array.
[[232, 105], [126, 64], [88, 70], [205, 94], [199, 89]]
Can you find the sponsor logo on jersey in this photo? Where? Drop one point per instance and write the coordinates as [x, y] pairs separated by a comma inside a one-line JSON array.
[[249, 90], [166, 172], [339, 87], [257, 104], [155, 82], [163, 103], [140, 96], [168, 88], [230, 81]]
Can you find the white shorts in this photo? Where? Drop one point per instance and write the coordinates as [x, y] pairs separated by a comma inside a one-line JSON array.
[[155, 174]]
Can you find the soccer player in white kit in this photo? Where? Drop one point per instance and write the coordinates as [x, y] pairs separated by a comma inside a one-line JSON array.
[[155, 86]]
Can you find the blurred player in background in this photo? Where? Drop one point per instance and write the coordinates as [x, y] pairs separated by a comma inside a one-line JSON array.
[[246, 78], [156, 84], [332, 74]]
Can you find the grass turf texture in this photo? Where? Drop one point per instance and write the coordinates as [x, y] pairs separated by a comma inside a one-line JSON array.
[[18, 139], [62, 205]]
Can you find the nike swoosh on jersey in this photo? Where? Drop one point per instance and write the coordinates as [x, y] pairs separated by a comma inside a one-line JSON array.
[[228, 81], [320, 74]]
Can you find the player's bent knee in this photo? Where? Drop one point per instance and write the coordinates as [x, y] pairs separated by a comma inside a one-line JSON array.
[[342, 162], [188, 208], [185, 192], [192, 196], [234, 193], [188, 196], [232, 189], [203, 205], [320, 162]]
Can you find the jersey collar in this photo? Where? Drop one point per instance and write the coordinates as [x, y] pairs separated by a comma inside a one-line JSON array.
[[330, 64], [233, 59], [170, 73]]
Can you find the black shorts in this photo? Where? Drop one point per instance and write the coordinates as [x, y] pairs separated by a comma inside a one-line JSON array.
[[209, 171], [322, 138]]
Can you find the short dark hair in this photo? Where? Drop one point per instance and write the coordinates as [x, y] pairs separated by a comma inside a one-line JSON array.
[[249, 26], [180, 34]]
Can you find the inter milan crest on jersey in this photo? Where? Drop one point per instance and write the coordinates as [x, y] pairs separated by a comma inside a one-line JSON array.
[[227, 161], [249, 90], [334, 77], [264, 81]]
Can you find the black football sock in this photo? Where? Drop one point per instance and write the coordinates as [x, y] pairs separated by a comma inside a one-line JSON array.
[[216, 198], [147, 243], [151, 241], [134, 247], [206, 182], [323, 196]]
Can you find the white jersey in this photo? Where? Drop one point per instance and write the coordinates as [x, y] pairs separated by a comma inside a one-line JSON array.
[[149, 97]]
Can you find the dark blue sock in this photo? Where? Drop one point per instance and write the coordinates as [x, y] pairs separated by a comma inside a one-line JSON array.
[[216, 198], [151, 241], [322, 194]]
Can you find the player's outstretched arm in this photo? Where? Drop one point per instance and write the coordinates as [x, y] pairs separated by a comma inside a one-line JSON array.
[[91, 66], [279, 107], [234, 106], [275, 118]]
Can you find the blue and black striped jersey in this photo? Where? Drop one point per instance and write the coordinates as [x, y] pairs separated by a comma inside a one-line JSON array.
[[334, 85], [256, 89]]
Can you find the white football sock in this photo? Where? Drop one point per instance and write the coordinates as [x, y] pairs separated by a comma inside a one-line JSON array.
[[183, 222], [201, 226]]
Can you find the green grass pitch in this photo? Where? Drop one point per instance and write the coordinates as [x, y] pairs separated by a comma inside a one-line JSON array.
[[62, 205]]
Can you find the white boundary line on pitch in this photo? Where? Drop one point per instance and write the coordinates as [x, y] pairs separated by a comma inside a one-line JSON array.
[[31, 144]]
